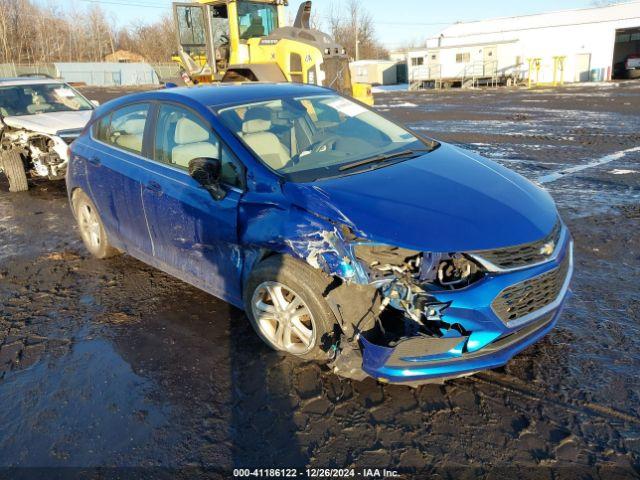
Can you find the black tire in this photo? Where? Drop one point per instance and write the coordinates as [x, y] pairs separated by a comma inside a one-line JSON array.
[[95, 239], [13, 168], [633, 74], [309, 284]]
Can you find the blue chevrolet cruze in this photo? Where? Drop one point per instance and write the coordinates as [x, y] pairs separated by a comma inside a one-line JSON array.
[[346, 238]]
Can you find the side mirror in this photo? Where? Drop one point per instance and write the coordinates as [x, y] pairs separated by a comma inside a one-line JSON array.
[[95, 103], [207, 172]]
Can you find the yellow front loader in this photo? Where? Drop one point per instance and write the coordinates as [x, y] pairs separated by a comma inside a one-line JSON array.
[[248, 40]]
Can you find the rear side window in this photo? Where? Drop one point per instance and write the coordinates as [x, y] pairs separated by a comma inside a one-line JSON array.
[[182, 136], [124, 128]]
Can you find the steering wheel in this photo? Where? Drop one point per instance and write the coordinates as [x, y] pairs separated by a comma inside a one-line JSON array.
[[224, 39], [323, 144]]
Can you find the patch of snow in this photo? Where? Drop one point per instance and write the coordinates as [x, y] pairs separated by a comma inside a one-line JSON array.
[[552, 177], [621, 171], [390, 88]]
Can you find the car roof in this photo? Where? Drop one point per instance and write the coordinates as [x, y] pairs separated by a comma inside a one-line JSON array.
[[222, 94], [10, 82]]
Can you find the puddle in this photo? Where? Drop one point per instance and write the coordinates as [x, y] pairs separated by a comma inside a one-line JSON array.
[[84, 408]]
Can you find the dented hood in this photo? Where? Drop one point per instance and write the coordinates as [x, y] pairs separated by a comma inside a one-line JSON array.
[[50, 123], [447, 200]]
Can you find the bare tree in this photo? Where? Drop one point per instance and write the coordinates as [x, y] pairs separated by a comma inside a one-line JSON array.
[[352, 26]]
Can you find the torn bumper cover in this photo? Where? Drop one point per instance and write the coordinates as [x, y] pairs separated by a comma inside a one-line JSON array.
[[499, 316]]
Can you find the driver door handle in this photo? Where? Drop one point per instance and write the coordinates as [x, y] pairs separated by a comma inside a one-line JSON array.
[[154, 186], [95, 161]]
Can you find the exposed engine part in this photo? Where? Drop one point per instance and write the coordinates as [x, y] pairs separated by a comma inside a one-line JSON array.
[[449, 271], [46, 155], [409, 282], [383, 261], [457, 272]]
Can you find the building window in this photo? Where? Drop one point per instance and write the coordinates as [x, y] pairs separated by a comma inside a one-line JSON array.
[[463, 57], [417, 61]]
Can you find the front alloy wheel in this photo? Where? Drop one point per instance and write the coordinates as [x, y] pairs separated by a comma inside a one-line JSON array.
[[284, 301], [283, 318]]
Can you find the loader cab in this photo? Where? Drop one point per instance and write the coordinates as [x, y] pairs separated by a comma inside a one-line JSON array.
[[213, 34]]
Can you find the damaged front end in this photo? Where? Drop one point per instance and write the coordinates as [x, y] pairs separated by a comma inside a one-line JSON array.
[[46, 155], [419, 317]]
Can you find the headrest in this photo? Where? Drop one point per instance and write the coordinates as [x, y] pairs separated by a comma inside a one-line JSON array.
[[134, 126], [257, 120], [188, 131]]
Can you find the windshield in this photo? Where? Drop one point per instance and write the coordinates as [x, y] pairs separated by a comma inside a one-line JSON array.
[[21, 100], [310, 138], [256, 19]]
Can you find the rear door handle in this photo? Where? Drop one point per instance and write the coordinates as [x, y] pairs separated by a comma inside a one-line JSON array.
[[95, 161], [154, 187]]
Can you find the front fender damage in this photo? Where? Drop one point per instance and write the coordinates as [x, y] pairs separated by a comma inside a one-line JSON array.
[[379, 294], [46, 154]]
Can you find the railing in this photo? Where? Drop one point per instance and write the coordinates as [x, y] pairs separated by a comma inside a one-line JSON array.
[[425, 73], [469, 76], [472, 72]]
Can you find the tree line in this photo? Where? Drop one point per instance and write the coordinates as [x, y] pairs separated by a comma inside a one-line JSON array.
[[32, 33]]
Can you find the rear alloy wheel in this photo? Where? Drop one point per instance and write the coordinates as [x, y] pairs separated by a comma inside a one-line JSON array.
[[91, 228], [13, 168]]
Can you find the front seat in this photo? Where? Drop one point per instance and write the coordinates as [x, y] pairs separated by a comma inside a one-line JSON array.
[[192, 141], [256, 134]]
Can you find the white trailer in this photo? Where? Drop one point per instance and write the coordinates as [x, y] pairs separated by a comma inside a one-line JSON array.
[[580, 45]]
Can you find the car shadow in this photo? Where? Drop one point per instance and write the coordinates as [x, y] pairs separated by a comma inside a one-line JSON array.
[[231, 398]]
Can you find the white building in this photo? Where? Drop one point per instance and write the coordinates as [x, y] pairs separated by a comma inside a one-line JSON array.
[[588, 44], [375, 72]]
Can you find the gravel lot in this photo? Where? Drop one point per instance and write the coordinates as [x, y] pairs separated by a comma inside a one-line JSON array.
[[113, 363]]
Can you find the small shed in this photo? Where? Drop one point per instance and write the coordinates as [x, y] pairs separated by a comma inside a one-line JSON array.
[[124, 56], [375, 72]]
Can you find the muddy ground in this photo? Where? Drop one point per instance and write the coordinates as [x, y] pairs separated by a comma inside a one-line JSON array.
[[113, 363]]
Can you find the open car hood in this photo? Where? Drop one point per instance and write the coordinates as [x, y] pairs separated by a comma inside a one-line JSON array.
[[50, 123], [449, 200]]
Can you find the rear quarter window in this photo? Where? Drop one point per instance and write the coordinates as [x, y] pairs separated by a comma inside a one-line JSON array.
[[123, 128]]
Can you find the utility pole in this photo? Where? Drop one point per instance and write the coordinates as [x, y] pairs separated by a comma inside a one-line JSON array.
[[355, 21]]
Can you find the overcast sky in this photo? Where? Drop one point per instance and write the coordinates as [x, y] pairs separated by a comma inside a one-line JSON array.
[[397, 21]]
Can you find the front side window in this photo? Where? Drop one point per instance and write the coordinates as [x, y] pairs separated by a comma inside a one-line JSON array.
[[310, 138], [124, 128], [182, 136], [256, 19], [22, 100]]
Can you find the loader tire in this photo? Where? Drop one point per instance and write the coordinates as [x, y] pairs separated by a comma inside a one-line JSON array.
[[13, 168]]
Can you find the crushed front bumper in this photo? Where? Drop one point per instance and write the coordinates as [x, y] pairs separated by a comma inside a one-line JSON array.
[[492, 340]]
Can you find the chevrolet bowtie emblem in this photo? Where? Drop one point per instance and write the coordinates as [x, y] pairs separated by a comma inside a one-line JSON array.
[[547, 249]]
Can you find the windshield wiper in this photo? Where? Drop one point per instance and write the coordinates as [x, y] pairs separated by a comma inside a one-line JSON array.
[[382, 158]]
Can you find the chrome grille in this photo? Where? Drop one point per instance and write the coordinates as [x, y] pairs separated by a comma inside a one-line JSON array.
[[531, 295], [522, 255]]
